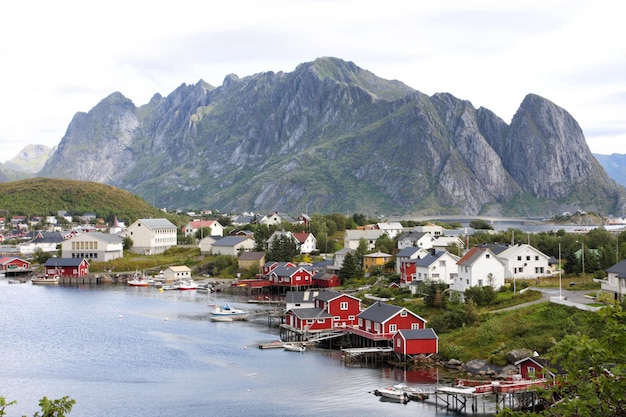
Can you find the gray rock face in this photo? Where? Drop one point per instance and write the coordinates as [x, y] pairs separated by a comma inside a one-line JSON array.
[[330, 136]]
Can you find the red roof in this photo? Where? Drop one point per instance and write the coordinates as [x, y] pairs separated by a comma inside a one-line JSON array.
[[301, 237]]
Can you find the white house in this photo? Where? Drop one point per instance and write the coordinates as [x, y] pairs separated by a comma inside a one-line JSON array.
[[151, 236], [175, 273], [352, 238], [437, 266], [306, 242], [101, 247], [478, 267], [232, 245], [206, 244], [524, 262], [433, 229], [392, 229], [442, 242], [339, 257], [616, 281], [422, 240], [215, 228], [278, 218], [45, 241], [407, 254]]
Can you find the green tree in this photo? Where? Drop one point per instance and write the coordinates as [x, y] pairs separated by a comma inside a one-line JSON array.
[[127, 243], [283, 248], [593, 381], [348, 269], [40, 256], [49, 408]]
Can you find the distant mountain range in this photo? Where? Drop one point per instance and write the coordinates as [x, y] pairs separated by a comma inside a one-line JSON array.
[[332, 137]]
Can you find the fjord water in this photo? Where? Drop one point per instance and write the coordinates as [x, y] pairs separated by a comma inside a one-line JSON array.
[[122, 351]]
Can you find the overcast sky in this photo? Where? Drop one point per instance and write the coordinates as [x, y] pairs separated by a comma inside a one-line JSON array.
[[62, 57]]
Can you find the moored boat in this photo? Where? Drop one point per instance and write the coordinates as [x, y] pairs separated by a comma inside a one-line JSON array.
[[187, 284], [293, 347], [45, 280], [393, 393], [139, 280], [228, 311]]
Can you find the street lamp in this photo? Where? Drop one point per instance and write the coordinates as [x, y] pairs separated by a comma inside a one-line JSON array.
[[583, 260], [560, 293]]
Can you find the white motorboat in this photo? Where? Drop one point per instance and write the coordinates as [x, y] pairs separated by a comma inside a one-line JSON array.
[[221, 318], [139, 280], [45, 280], [293, 347], [187, 284], [393, 393], [228, 311]]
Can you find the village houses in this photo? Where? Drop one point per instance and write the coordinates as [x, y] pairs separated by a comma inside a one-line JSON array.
[[478, 267], [151, 236]]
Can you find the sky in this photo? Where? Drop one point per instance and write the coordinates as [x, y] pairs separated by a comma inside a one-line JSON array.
[[63, 57]]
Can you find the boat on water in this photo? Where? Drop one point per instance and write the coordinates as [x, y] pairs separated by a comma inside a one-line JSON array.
[[45, 280], [414, 393], [187, 284], [230, 312], [393, 393], [293, 347], [140, 280], [221, 318]]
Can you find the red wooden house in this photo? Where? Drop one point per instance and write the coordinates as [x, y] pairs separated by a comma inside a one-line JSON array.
[[534, 368], [11, 263], [309, 319], [381, 321], [415, 342], [343, 308], [271, 265], [67, 267], [407, 271], [291, 276], [326, 280]]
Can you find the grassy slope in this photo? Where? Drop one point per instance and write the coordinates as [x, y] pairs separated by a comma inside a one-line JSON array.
[[46, 196]]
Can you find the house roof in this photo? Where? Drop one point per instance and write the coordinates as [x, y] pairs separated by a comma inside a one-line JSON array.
[[378, 254], [474, 254], [8, 259], [105, 237], [300, 296], [431, 257], [408, 252], [48, 237], [365, 234], [230, 241], [197, 224], [619, 269], [322, 264], [310, 313], [380, 312], [251, 256], [156, 223], [328, 295], [512, 251], [287, 271], [179, 268], [301, 237], [413, 235], [418, 334], [62, 262]]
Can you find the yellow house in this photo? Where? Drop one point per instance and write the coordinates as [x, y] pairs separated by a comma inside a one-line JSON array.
[[372, 260]]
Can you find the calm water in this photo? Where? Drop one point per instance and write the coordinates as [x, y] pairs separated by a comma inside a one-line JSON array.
[[121, 351]]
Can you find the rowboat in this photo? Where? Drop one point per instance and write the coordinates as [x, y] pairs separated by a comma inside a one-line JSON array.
[[45, 280], [292, 347]]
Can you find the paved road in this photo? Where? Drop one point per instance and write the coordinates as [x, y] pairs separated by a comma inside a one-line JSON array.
[[546, 293]]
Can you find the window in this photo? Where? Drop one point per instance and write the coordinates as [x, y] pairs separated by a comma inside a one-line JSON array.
[[536, 257], [442, 263], [520, 270], [377, 327], [392, 328], [399, 342], [487, 256], [351, 318], [321, 321], [480, 282], [403, 313], [415, 326], [528, 257], [343, 305], [519, 258], [360, 322]]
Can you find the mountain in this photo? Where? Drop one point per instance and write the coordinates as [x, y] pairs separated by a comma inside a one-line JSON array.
[[332, 137], [614, 165], [30, 160]]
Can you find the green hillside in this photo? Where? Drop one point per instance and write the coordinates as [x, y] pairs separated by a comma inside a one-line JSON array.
[[46, 196]]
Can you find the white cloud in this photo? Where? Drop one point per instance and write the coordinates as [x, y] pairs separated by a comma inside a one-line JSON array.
[[59, 58]]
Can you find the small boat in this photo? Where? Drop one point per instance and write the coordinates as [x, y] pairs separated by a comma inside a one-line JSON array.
[[228, 311], [140, 280], [222, 318], [187, 284], [393, 393], [414, 393], [45, 280], [292, 347]]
